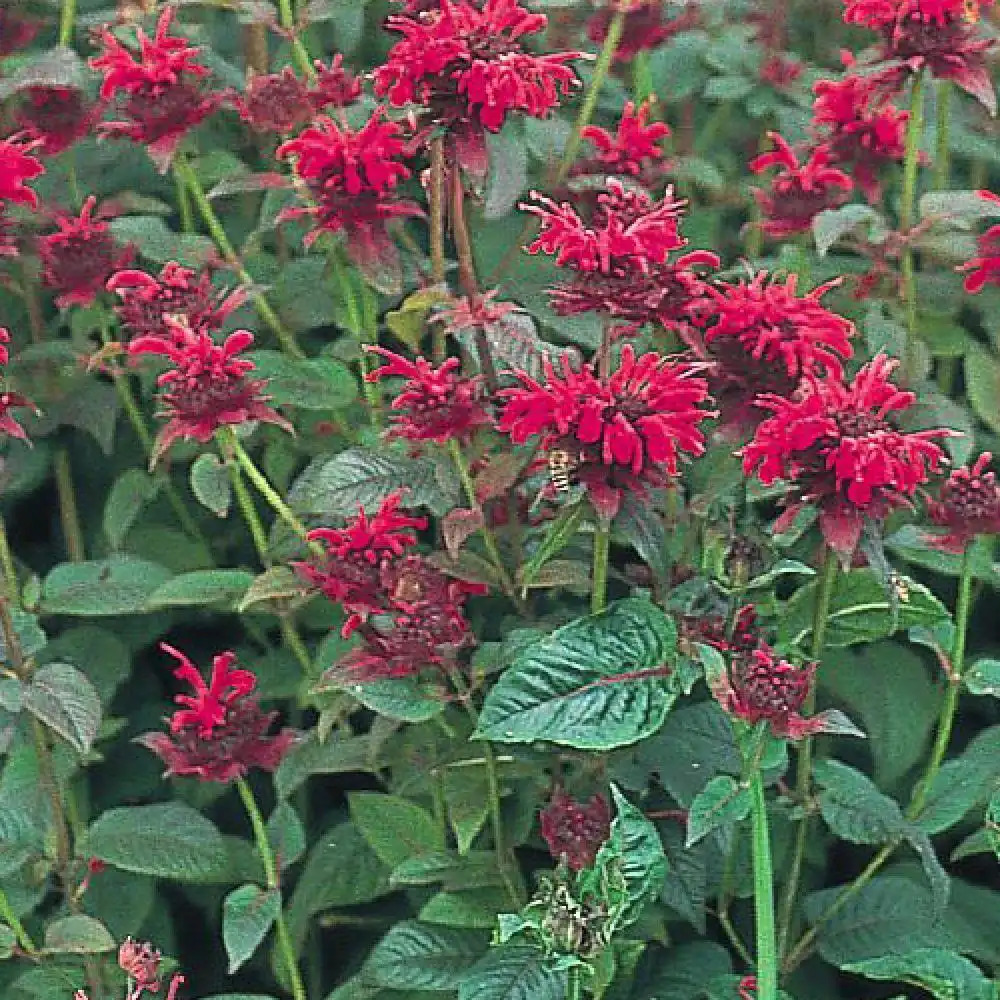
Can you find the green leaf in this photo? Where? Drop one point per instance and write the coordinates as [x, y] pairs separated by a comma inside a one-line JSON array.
[[58, 67], [118, 585], [833, 223], [466, 908], [728, 88], [558, 535], [993, 822], [29, 634], [454, 871], [681, 972], [417, 956], [395, 828], [338, 755], [62, 698], [78, 935], [508, 176], [132, 491], [247, 915], [167, 840], [968, 206], [466, 796], [982, 385], [401, 698], [211, 484], [273, 588], [154, 239], [514, 972], [200, 587], [860, 611], [286, 834], [594, 684], [8, 942], [305, 383], [641, 523], [943, 974], [983, 677], [723, 801]]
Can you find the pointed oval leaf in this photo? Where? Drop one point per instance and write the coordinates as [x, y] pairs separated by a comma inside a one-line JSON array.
[[62, 698], [722, 801], [418, 956], [514, 972], [247, 915], [78, 935]]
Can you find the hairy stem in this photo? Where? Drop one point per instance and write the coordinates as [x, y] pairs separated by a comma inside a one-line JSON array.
[[355, 317], [763, 882], [69, 513], [942, 150], [67, 19], [287, 17], [907, 208], [602, 548], [436, 200]]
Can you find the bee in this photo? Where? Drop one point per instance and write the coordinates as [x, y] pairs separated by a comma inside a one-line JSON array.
[[900, 587], [562, 469]]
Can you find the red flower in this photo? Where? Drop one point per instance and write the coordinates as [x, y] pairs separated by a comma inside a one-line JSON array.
[[435, 404], [221, 733], [16, 31], [179, 292], [780, 71], [633, 148], [467, 66], [335, 87], [57, 117], [140, 961], [714, 630], [163, 97], [647, 25], [207, 386], [629, 428], [78, 259], [861, 128], [11, 400], [836, 444], [985, 268], [351, 177], [968, 505], [799, 191], [17, 167], [575, 831], [351, 574]]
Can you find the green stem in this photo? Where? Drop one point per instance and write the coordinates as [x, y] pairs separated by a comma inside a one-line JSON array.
[[69, 513], [343, 274], [285, 945], [907, 208], [67, 17], [183, 204], [763, 882], [12, 591], [942, 152], [602, 548], [574, 984], [601, 70], [642, 78], [8, 914], [436, 205], [245, 502], [287, 18], [189, 178]]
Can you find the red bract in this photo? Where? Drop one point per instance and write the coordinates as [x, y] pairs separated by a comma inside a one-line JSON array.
[[11, 400], [468, 68], [178, 292], [968, 505], [633, 147], [836, 444], [799, 191], [984, 269], [628, 428], [207, 386], [862, 130], [17, 166], [435, 404], [221, 733], [162, 97], [575, 831], [647, 25], [351, 176], [57, 117], [335, 86], [78, 259], [356, 555]]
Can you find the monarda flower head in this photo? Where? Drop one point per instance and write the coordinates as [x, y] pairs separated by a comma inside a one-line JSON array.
[[435, 404], [79, 257], [467, 66], [799, 191], [968, 505], [56, 116], [984, 268], [16, 30], [160, 92], [836, 443], [632, 151], [628, 429], [220, 733], [207, 385], [574, 831], [647, 25], [17, 167]]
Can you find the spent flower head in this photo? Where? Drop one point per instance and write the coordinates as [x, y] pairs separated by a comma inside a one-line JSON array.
[[967, 505], [57, 117], [574, 831]]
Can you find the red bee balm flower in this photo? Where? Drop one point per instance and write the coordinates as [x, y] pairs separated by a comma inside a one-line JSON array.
[[163, 98], [984, 269], [207, 386], [968, 505], [799, 191], [221, 733], [647, 25], [17, 167], [78, 259], [435, 404], [836, 444], [632, 148], [632, 426], [573, 830], [57, 117]]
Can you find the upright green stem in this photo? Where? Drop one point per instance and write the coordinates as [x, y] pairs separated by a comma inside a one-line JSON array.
[[907, 209], [436, 204], [355, 317], [285, 945], [67, 17], [183, 204], [942, 151], [601, 70], [574, 984], [184, 171], [602, 549], [8, 914], [12, 591], [287, 18], [69, 513], [763, 884], [642, 78]]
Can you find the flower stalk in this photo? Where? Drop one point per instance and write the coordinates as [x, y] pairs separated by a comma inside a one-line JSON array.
[[67, 19], [287, 18], [602, 548], [907, 209], [763, 882]]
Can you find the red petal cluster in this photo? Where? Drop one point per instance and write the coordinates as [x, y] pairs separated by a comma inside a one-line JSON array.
[[835, 442], [984, 269], [161, 91], [632, 149], [435, 404], [57, 117], [575, 831], [220, 733], [968, 505], [207, 386], [799, 191], [79, 257], [17, 167], [11, 400]]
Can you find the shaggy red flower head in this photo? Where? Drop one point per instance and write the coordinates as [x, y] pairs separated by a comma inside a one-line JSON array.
[[647, 25], [17, 167], [837, 444], [575, 831], [861, 128], [161, 91], [79, 257], [714, 630], [207, 386], [628, 429], [632, 149], [220, 733], [799, 191], [968, 505], [466, 65], [351, 573], [984, 268], [335, 86], [57, 117], [435, 404], [178, 292], [140, 961]]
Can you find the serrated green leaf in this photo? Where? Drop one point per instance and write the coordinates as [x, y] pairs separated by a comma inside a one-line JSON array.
[[514, 972], [286, 834], [960, 205], [833, 223], [420, 956], [118, 585], [594, 684], [943, 974], [78, 934], [982, 385], [211, 484], [402, 698], [305, 383], [132, 491], [722, 801], [681, 972], [338, 755], [453, 871], [395, 828], [201, 587], [248, 913], [62, 698]]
